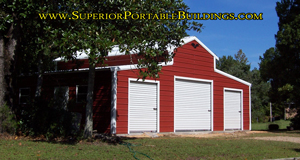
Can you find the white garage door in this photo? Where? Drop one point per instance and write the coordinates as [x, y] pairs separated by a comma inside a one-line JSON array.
[[192, 105], [232, 110], [143, 106]]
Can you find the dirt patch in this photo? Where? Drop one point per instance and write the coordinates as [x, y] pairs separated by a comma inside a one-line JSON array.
[[209, 134], [279, 138], [192, 134]]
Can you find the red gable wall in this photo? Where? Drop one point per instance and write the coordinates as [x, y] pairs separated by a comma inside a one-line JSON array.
[[188, 62]]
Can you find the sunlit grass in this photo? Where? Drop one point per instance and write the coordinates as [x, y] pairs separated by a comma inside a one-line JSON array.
[[264, 126], [156, 148]]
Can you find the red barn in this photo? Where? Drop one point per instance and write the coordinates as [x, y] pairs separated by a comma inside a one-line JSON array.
[[190, 95]]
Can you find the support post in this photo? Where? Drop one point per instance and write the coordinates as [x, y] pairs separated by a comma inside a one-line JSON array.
[[113, 101]]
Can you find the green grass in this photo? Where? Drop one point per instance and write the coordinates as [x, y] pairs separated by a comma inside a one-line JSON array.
[[156, 148], [264, 126]]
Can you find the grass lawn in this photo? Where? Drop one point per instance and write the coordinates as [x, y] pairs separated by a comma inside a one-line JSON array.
[[156, 148], [264, 126]]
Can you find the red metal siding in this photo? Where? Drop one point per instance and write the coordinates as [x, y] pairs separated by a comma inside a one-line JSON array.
[[221, 82], [102, 93], [188, 62]]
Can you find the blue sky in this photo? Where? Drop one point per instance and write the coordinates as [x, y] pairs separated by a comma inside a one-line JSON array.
[[226, 37]]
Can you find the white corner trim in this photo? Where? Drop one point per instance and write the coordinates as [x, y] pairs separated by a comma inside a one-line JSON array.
[[215, 64], [250, 118], [242, 105], [232, 77], [211, 94], [113, 112], [158, 100], [174, 120]]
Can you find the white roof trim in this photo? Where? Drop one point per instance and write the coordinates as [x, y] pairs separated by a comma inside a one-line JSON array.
[[232, 77], [134, 66], [122, 67], [191, 38], [83, 55], [116, 52]]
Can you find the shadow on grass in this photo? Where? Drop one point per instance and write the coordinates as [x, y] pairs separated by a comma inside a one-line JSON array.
[[98, 138], [112, 139], [296, 149]]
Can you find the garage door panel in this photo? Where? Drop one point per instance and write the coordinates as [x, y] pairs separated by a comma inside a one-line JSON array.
[[192, 111], [143, 106], [192, 105], [143, 98], [232, 109]]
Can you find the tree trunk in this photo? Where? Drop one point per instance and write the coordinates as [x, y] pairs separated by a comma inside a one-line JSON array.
[[39, 79], [88, 129], [2, 75], [13, 35]]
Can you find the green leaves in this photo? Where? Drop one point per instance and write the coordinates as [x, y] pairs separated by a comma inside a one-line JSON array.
[[281, 65], [237, 66]]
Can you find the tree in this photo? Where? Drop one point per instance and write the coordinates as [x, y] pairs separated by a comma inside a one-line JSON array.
[[2, 74], [26, 44], [226, 63], [23, 29], [267, 65], [2, 60], [148, 37], [238, 66], [281, 65], [259, 96], [270, 69], [288, 46], [9, 37]]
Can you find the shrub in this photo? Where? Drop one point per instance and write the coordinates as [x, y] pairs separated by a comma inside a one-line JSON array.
[[273, 127], [46, 118], [7, 120]]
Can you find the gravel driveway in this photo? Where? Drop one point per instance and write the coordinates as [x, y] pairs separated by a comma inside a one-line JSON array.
[[279, 138]]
